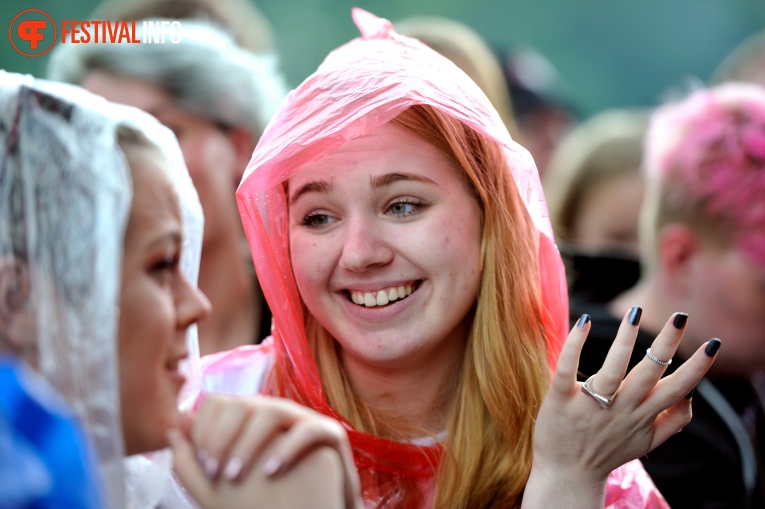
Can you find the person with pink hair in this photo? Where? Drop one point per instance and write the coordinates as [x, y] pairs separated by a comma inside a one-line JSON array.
[[403, 243], [702, 237]]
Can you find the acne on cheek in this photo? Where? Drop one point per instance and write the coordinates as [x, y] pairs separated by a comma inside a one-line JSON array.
[[452, 228]]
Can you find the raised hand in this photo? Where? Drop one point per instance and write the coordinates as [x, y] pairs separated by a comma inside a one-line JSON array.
[[582, 435]]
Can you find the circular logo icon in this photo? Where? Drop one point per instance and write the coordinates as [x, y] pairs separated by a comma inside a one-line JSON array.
[[32, 32]]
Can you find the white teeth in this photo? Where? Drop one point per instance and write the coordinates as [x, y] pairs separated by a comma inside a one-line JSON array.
[[381, 297]]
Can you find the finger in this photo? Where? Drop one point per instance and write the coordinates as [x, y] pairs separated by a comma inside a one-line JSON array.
[[206, 414], [644, 377], [303, 437], [203, 420], [309, 434], [679, 384], [257, 433], [664, 346], [188, 469], [610, 376], [217, 434], [564, 377], [670, 422]]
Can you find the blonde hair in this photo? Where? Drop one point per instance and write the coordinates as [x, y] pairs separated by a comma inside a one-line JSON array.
[[504, 372], [606, 146]]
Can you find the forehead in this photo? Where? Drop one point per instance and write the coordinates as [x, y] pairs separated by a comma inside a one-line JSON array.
[[155, 201], [125, 90], [388, 147], [134, 92]]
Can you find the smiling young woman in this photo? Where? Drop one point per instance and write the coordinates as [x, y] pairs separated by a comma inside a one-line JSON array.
[[402, 241]]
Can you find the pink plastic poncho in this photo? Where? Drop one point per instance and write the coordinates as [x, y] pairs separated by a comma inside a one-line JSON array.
[[359, 87]]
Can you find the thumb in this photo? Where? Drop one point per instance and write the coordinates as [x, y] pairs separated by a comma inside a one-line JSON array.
[[188, 469]]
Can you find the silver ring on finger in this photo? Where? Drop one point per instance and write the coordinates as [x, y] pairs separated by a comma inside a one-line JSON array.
[[604, 401], [656, 359]]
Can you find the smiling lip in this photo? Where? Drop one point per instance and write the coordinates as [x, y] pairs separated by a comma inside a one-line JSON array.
[[172, 367], [381, 312], [176, 376], [383, 296]]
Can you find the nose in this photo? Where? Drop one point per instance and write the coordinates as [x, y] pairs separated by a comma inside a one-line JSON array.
[[366, 245], [191, 304]]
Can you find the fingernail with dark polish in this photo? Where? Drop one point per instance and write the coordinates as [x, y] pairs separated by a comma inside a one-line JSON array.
[[583, 320], [712, 347], [680, 320], [635, 314], [690, 394]]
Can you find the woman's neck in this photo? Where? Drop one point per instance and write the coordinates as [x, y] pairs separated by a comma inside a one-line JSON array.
[[418, 394]]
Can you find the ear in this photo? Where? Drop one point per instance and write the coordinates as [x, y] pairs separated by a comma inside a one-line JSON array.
[[244, 145], [16, 324], [678, 247]]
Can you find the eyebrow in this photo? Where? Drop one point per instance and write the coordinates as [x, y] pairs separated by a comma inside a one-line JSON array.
[[317, 186], [174, 237], [391, 178], [376, 182]]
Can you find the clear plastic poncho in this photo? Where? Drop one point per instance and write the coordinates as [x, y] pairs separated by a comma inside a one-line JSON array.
[[65, 196], [359, 87]]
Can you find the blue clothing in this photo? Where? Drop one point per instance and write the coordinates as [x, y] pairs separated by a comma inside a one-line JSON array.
[[45, 458]]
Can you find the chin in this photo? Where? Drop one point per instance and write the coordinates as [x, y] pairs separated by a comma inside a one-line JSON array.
[[154, 440], [149, 433]]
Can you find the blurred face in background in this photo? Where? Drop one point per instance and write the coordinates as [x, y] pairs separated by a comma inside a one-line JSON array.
[[607, 217], [726, 299], [213, 153]]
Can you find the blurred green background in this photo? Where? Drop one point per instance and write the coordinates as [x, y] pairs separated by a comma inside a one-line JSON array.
[[608, 52]]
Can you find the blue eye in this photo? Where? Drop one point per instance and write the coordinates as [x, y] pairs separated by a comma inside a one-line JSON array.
[[404, 207]]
